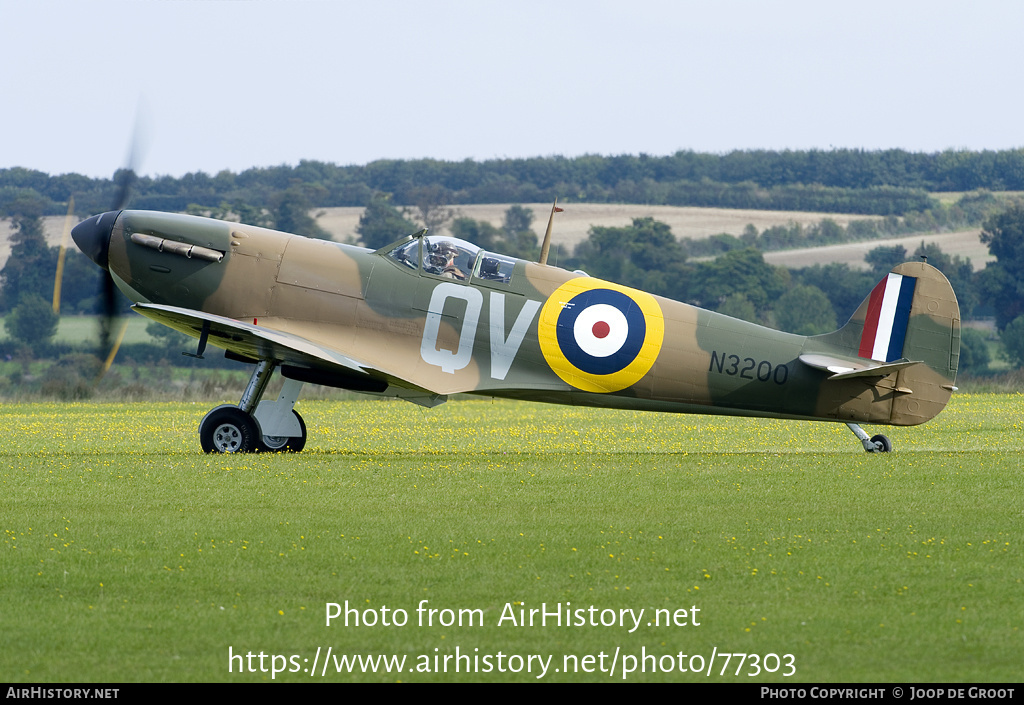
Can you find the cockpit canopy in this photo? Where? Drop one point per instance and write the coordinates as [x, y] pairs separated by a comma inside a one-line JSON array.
[[452, 258]]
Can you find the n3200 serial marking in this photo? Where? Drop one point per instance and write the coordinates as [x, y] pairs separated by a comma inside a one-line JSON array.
[[748, 368]]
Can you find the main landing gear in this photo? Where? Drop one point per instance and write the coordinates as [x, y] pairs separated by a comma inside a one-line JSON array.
[[875, 444], [256, 426]]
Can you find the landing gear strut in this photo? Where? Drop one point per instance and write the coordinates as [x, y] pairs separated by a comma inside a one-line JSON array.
[[875, 444], [254, 425]]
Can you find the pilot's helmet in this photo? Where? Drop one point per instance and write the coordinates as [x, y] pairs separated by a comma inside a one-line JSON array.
[[442, 251], [445, 247]]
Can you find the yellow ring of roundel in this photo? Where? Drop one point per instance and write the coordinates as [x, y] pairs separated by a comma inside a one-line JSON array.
[[631, 374]]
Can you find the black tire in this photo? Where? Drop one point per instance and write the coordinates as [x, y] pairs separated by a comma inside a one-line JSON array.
[[228, 429], [285, 444], [882, 443]]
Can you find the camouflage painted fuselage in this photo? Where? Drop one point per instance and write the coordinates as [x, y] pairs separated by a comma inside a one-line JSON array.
[[536, 332]]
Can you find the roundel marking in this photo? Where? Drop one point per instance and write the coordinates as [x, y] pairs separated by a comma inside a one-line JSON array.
[[598, 336], [600, 330]]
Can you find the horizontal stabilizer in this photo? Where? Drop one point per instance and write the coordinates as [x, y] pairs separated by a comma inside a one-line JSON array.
[[847, 367]]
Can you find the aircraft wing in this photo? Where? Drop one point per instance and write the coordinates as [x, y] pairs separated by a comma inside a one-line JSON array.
[[300, 358], [247, 339]]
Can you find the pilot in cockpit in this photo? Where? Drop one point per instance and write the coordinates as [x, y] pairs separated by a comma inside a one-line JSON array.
[[440, 259]]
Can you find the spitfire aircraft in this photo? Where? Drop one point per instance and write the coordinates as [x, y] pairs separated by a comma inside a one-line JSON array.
[[427, 317]]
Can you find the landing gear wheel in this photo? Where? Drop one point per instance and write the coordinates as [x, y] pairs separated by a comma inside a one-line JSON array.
[[882, 444], [285, 444], [228, 429]]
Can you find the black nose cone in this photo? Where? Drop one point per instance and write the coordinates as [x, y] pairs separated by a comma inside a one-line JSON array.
[[93, 236]]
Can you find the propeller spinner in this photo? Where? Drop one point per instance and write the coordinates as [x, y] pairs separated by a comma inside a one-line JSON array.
[[93, 236]]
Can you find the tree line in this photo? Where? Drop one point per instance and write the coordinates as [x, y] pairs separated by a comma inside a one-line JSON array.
[[881, 182]]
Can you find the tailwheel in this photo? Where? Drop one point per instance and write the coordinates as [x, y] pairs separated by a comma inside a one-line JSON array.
[[285, 444], [875, 444], [882, 444], [228, 429]]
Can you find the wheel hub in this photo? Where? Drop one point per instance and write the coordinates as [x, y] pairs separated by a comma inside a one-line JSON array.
[[275, 442], [227, 438]]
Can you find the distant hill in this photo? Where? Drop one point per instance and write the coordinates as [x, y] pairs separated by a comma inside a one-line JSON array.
[[965, 243]]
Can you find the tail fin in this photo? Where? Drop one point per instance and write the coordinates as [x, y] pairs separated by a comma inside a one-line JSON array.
[[903, 342], [887, 318]]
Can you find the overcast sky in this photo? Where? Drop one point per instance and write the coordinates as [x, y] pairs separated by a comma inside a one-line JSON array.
[[232, 84]]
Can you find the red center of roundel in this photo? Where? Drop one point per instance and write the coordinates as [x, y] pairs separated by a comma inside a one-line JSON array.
[[601, 329]]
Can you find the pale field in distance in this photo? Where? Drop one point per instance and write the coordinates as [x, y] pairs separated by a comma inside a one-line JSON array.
[[53, 230], [574, 223], [965, 243]]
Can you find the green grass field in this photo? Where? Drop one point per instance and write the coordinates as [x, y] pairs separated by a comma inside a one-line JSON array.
[[77, 329], [128, 555]]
